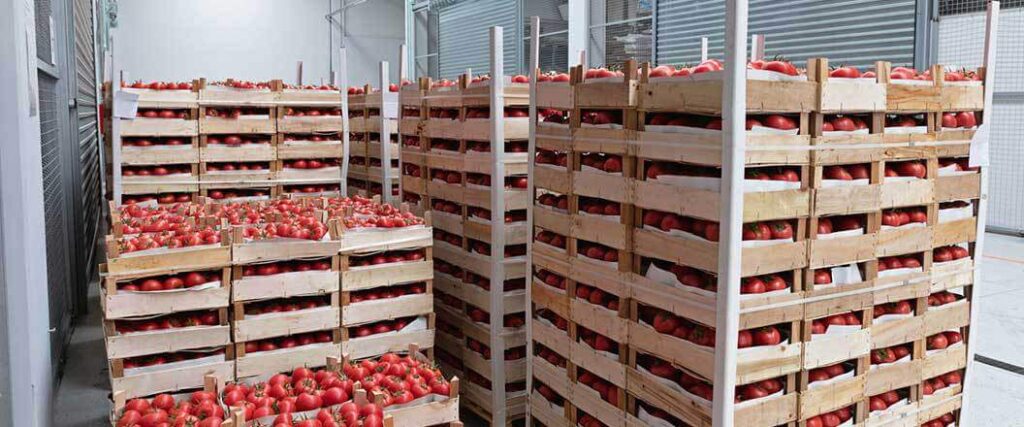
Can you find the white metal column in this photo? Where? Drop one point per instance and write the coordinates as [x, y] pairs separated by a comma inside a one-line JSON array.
[[497, 101], [532, 152], [345, 129], [734, 107]]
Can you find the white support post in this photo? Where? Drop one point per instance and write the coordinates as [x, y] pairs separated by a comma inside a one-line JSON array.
[[497, 344], [115, 123], [756, 47], [734, 106], [578, 11], [403, 65], [385, 138], [703, 49], [403, 70], [345, 129], [298, 73], [532, 150], [991, 32], [582, 59]]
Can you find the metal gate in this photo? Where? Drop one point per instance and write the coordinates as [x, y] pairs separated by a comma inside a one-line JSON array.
[[70, 159], [853, 32]]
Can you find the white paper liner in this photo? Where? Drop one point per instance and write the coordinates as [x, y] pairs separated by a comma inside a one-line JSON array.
[[888, 318], [208, 285], [651, 420], [420, 324], [904, 359], [215, 358], [956, 214], [158, 177], [442, 151], [610, 218], [552, 209], [905, 226], [833, 380], [891, 179], [477, 186], [592, 169], [774, 76], [900, 271], [305, 143], [760, 185], [950, 170], [841, 234], [892, 408], [765, 130], [609, 264], [604, 126], [764, 294], [311, 171], [864, 131], [770, 349], [752, 401], [272, 315], [387, 264], [833, 183], [962, 82], [906, 130], [183, 147], [675, 386], [842, 275], [555, 168], [662, 276], [159, 331], [837, 330], [940, 350], [948, 129], [708, 183], [238, 172], [544, 124], [765, 243]]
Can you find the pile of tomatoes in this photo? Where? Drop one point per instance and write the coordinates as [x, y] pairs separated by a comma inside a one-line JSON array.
[[236, 112], [883, 401], [159, 142], [760, 389], [553, 77], [139, 84], [550, 356], [941, 298], [290, 341], [241, 166], [380, 327], [915, 168], [890, 354], [897, 262], [388, 292], [555, 201], [899, 307], [550, 115], [830, 419], [156, 170], [827, 372], [943, 339], [560, 322], [950, 253], [184, 237], [310, 189], [943, 421], [608, 391], [149, 219], [597, 297], [762, 284], [600, 117], [311, 163], [963, 119], [610, 163], [847, 172], [200, 409], [597, 251], [162, 198], [820, 326], [839, 223], [551, 279], [286, 305], [669, 324], [170, 321], [371, 215], [236, 140], [940, 382], [843, 123], [666, 370], [311, 112], [164, 358], [599, 207], [387, 258], [597, 341]]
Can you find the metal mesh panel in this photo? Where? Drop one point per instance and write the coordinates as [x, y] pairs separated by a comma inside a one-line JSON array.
[[55, 213], [961, 43], [554, 36], [425, 42], [620, 30], [44, 50]]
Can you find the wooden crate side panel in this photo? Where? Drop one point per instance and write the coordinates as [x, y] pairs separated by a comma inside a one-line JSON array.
[[166, 341], [288, 323], [387, 309], [285, 285], [170, 380], [360, 348], [134, 304], [262, 363], [360, 278]]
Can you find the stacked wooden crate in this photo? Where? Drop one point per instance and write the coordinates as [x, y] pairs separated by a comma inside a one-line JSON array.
[[474, 175], [359, 125], [387, 301], [165, 308], [412, 114], [845, 314], [309, 141], [158, 155], [373, 119]]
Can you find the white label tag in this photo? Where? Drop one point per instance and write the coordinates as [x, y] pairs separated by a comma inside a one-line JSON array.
[[126, 105], [979, 147]]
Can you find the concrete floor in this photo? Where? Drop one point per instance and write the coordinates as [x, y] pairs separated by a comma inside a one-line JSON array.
[[996, 394]]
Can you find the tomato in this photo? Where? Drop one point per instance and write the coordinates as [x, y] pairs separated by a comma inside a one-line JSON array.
[[752, 285], [768, 335], [845, 73], [779, 122], [781, 230]]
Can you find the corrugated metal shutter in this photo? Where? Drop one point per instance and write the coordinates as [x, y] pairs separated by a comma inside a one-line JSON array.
[[554, 35], [89, 198], [853, 32], [464, 41]]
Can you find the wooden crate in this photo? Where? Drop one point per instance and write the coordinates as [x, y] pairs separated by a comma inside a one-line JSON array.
[[137, 156], [166, 261], [247, 328], [286, 285], [270, 362], [264, 152], [256, 124], [133, 344], [170, 377], [141, 126], [305, 124], [244, 251]]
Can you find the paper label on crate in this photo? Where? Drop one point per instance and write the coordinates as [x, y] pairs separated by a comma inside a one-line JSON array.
[[216, 358], [126, 105], [833, 380], [833, 183], [765, 243], [208, 285], [706, 183], [761, 185], [906, 130], [841, 234], [864, 131], [979, 153]]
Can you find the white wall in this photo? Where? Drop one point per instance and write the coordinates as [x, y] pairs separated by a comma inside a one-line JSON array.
[[252, 39]]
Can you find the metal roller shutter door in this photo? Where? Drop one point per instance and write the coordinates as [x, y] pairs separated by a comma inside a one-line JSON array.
[[853, 32], [88, 209], [464, 41]]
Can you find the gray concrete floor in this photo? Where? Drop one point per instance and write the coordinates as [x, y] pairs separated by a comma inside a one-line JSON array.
[[996, 394]]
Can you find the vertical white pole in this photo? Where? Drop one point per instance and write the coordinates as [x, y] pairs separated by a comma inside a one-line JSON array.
[[345, 129], [403, 65], [991, 31], [703, 49], [497, 102], [403, 71], [577, 29], [734, 106], [385, 138], [298, 73], [115, 123], [532, 150], [582, 59]]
